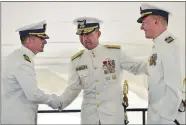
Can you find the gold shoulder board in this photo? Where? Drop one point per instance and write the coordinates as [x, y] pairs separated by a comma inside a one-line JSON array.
[[77, 55], [169, 39], [113, 46], [26, 58]]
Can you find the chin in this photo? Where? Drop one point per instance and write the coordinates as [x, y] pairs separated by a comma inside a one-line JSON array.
[[148, 37], [88, 47], [41, 50]]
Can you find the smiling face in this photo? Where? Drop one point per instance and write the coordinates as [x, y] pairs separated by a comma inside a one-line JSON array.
[[149, 26]]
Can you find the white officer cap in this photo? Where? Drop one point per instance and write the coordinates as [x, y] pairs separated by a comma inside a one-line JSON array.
[[147, 9], [35, 29], [86, 24]]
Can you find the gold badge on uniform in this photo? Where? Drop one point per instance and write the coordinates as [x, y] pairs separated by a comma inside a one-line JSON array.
[[153, 59], [109, 66], [114, 76], [26, 58]]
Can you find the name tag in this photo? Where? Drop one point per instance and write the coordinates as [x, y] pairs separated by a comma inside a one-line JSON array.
[[82, 67]]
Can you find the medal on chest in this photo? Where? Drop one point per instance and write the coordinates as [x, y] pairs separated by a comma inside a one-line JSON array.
[[153, 59]]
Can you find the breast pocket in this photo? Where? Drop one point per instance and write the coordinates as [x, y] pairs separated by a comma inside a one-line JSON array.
[[83, 74]]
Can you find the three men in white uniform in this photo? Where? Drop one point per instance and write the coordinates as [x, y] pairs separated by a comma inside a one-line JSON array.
[[20, 95]]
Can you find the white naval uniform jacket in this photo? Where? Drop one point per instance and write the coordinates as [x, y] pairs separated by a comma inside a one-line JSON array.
[[102, 95], [19, 93], [164, 80]]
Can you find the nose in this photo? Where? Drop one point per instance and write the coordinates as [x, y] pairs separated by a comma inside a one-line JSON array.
[[44, 41], [142, 27]]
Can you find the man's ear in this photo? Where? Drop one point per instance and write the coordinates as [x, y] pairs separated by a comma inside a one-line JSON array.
[[28, 41], [99, 34], [156, 21]]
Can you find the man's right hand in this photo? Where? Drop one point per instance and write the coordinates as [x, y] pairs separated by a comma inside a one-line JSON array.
[[55, 103], [61, 107]]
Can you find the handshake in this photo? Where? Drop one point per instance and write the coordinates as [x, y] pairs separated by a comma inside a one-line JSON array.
[[56, 102]]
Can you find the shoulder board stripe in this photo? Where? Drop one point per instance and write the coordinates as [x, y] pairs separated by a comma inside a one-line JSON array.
[[113, 46], [169, 39], [77, 55], [26, 58]]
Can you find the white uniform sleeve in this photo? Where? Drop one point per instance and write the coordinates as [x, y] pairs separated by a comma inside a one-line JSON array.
[[132, 65], [26, 77], [73, 89], [172, 78]]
